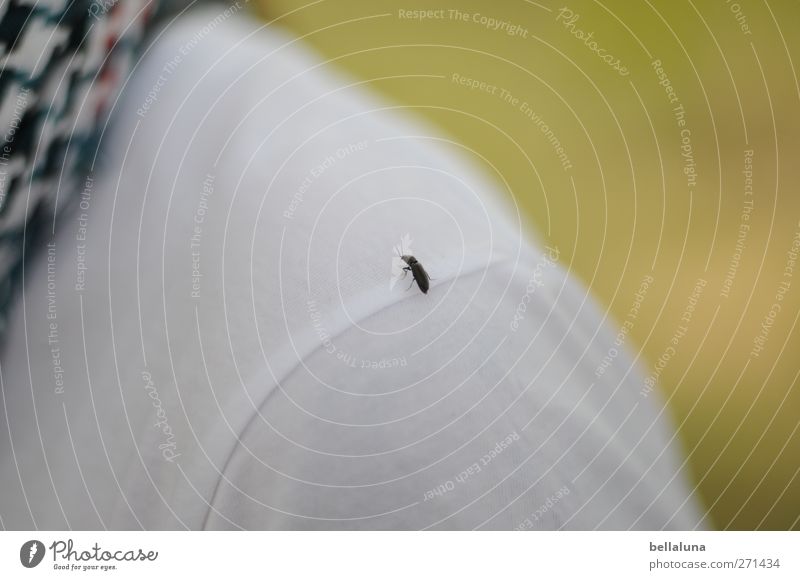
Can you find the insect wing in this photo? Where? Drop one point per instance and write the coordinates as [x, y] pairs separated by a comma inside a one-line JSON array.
[[397, 271]]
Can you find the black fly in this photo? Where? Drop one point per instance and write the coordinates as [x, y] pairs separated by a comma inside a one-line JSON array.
[[417, 271]]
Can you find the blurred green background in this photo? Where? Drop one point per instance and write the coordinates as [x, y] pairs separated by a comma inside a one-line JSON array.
[[633, 211]]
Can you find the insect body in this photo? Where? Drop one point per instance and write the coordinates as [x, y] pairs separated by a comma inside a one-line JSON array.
[[417, 271]]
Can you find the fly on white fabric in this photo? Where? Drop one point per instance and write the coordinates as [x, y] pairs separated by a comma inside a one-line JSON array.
[[417, 271]]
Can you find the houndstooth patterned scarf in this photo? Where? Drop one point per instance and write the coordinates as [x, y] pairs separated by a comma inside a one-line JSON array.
[[63, 62]]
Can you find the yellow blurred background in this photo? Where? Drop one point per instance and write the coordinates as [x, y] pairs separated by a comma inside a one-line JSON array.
[[576, 117]]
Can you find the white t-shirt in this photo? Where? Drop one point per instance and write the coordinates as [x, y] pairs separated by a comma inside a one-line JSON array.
[[220, 338]]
